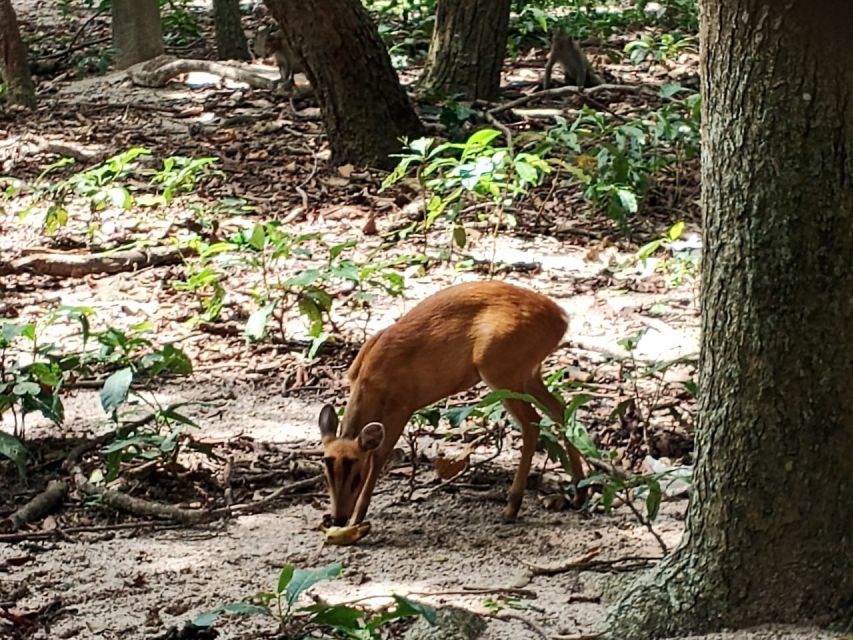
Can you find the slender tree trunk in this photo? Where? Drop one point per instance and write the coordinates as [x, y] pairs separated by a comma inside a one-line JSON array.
[[230, 38], [466, 53], [137, 35], [13, 65], [770, 526], [364, 108]]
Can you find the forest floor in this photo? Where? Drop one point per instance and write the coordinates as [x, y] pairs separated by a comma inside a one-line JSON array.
[[88, 571]]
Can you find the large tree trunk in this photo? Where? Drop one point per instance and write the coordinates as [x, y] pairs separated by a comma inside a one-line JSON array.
[[137, 35], [364, 108], [13, 65], [230, 39], [466, 53], [769, 526]]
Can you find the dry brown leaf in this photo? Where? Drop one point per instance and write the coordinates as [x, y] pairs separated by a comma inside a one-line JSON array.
[[448, 468]]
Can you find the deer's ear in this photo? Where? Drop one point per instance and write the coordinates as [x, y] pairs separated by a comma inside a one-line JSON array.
[[328, 424], [371, 436]]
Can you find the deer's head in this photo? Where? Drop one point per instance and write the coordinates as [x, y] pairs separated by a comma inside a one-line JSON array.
[[347, 462]]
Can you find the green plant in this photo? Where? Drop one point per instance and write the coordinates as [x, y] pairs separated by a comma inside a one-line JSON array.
[[267, 247], [180, 174], [678, 264], [304, 621], [665, 46], [615, 161], [451, 173], [180, 26], [112, 182], [33, 373]]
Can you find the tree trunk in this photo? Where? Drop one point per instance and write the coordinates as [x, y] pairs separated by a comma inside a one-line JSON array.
[[13, 65], [364, 108], [770, 526], [136, 31], [466, 53], [230, 38]]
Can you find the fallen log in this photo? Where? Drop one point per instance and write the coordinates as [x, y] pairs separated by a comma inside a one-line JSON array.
[[74, 265], [41, 505]]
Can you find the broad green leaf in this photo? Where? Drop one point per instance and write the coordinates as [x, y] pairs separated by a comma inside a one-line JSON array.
[[304, 579], [26, 388], [257, 323], [257, 237], [405, 608], [479, 139], [338, 616], [115, 389], [676, 230]]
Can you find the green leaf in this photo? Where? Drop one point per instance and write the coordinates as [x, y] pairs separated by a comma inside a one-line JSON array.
[[207, 618], [285, 577], [653, 500], [257, 323], [115, 389], [338, 616], [405, 608], [479, 139], [12, 448], [304, 579], [459, 236], [26, 388], [627, 199], [120, 197], [257, 237], [676, 230]]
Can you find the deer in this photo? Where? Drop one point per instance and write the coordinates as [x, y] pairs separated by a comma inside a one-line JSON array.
[[488, 331]]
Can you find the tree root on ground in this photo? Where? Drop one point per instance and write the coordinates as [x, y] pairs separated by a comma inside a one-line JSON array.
[[41, 505], [74, 265]]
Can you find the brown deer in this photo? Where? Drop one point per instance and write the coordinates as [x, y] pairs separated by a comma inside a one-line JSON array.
[[488, 330]]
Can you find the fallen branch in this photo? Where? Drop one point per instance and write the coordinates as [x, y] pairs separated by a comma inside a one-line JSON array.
[[75, 265], [158, 71], [141, 507], [45, 535], [509, 615], [292, 488], [565, 91], [588, 563], [41, 505]]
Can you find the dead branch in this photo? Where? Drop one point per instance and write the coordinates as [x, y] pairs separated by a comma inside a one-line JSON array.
[[75, 265], [67, 532], [588, 563], [509, 615], [158, 71], [41, 505], [141, 507], [565, 91], [292, 488]]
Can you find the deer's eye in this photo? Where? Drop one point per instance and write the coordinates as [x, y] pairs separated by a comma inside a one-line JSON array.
[[330, 465]]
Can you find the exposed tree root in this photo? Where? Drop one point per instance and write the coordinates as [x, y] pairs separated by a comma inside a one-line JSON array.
[[75, 265], [158, 71], [41, 505]]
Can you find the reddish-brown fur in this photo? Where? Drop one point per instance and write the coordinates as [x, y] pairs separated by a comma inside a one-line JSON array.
[[490, 331]]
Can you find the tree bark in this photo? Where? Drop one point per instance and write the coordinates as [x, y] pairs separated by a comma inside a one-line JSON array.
[[466, 53], [769, 529], [231, 41], [365, 110], [137, 35], [13, 65]]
